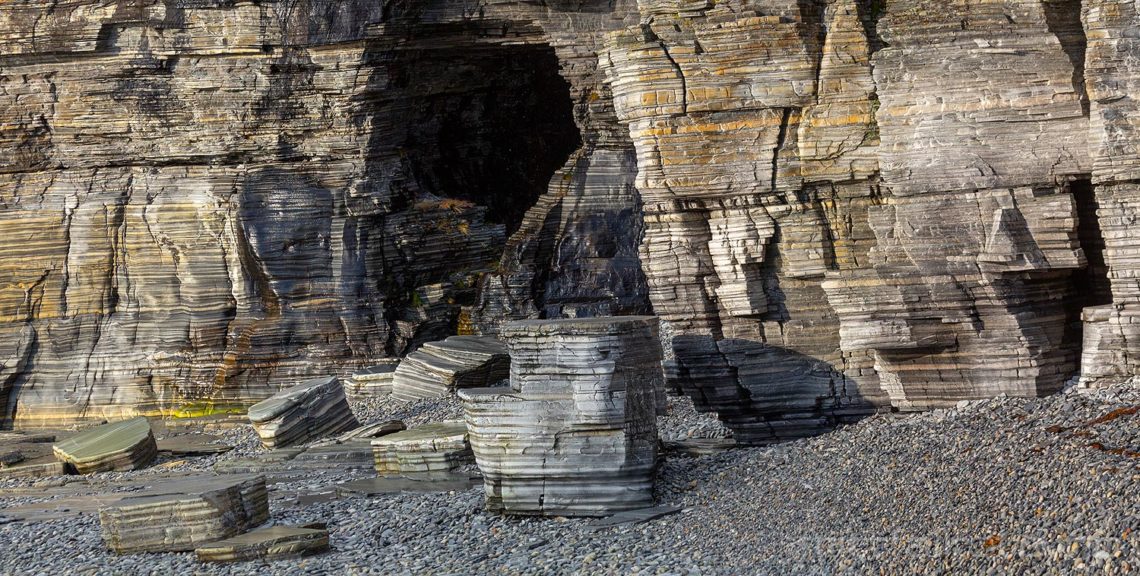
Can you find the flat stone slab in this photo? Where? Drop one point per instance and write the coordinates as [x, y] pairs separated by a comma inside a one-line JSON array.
[[272, 543], [700, 446], [399, 484], [160, 521], [634, 516], [119, 446]]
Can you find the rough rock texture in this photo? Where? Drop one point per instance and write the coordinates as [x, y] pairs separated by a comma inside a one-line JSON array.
[[214, 510], [315, 409], [215, 199], [373, 381], [439, 368], [120, 446], [429, 450], [837, 205], [575, 434], [1111, 332], [273, 543]]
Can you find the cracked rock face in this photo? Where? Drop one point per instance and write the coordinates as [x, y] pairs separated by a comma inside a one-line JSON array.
[[836, 205]]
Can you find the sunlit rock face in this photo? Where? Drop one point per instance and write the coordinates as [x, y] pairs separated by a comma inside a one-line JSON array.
[[205, 202], [836, 206]]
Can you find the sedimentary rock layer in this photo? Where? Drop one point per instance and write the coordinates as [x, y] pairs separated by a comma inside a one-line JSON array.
[[836, 205], [120, 446], [428, 450], [315, 409], [575, 434], [216, 509], [439, 368]]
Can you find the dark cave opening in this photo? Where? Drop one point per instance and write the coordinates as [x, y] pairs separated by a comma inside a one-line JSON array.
[[490, 123], [1088, 286]]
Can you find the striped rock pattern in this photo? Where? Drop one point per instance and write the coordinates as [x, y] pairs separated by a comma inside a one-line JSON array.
[[839, 205], [218, 509], [115, 447], [315, 409], [429, 450], [1111, 351], [440, 368], [575, 434]]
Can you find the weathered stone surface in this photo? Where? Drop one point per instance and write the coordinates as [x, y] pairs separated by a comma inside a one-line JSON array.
[[374, 381], [838, 205], [315, 409], [1111, 350], [273, 543], [439, 368], [576, 432], [215, 200], [119, 446], [216, 509], [429, 450]]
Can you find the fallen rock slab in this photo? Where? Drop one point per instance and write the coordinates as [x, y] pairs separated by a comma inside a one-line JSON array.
[[119, 446], [431, 449], [272, 543], [440, 368], [312, 410], [172, 522]]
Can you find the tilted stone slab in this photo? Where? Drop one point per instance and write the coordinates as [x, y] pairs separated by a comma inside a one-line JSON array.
[[432, 449], [272, 543], [439, 368], [575, 434], [119, 446], [173, 522], [315, 409]]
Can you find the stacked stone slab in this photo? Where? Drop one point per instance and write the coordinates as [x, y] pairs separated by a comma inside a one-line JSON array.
[[576, 432], [119, 446], [439, 368], [216, 509], [430, 450], [315, 409]]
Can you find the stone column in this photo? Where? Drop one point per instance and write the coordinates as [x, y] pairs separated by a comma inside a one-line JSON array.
[[575, 434]]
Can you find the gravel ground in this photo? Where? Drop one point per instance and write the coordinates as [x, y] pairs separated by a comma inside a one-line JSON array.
[[1034, 486]]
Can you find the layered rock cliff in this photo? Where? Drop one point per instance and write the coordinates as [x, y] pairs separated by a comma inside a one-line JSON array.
[[837, 206]]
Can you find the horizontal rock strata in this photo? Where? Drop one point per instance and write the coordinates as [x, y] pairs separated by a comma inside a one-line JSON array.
[[120, 446], [218, 509], [439, 368], [315, 409], [372, 382], [428, 450], [575, 434]]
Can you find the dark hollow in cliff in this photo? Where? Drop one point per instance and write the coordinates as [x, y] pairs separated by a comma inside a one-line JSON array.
[[489, 123]]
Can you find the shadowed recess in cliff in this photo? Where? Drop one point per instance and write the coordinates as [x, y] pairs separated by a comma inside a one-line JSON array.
[[489, 123]]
